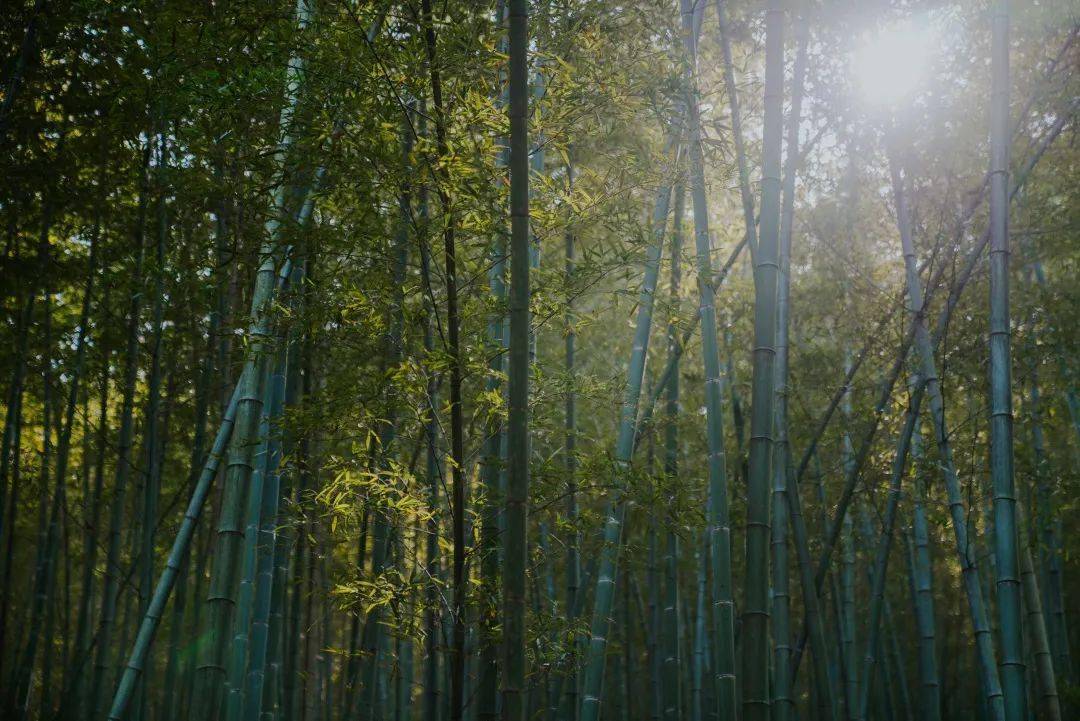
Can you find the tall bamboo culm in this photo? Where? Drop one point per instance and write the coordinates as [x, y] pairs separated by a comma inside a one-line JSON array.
[[1001, 414], [756, 700], [722, 607]]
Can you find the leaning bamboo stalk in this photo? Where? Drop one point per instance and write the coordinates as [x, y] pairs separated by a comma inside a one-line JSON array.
[[1046, 686], [181, 544], [990, 680], [211, 678], [614, 512], [169, 574]]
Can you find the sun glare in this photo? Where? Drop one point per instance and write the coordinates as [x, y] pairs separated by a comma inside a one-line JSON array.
[[891, 63]]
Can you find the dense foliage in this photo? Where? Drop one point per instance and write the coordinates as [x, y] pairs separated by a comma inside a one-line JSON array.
[[288, 436]]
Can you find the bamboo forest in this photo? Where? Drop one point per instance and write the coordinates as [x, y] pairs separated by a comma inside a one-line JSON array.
[[546, 360]]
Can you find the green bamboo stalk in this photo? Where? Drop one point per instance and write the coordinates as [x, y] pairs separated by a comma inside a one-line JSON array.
[[571, 708], [1047, 525], [896, 657], [432, 672], [374, 641], [252, 696], [243, 611], [516, 503], [736, 128], [153, 427], [176, 669], [83, 644], [456, 365], [1046, 690], [881, 563], [492, 464], [991, 683], [786, 488], [846, 601], [124, 465], [671, 651], [609, 552], [847, 586], [10, 449], [22, 674], [170, 573], [700, 654], [783, 705], [221, 601], [755, 626], [922, 569], [722, 626], [82, 632], [1001, 414], [653, 617]]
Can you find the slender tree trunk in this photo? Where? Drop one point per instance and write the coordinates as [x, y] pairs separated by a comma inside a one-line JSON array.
[[881, 563], [152, 426], [786, 495], [697, 672], [1047, 522], [432, 473], [19, 684]]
